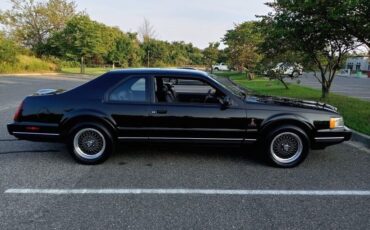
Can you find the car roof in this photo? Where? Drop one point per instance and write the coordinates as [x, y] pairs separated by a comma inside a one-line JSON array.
[[159, 71]]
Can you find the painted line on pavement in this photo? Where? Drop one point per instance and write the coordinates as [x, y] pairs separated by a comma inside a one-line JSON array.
[[3, 108], [192, 192]]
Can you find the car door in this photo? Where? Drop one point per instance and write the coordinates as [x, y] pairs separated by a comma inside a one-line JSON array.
[[129, 104], [197, 121]]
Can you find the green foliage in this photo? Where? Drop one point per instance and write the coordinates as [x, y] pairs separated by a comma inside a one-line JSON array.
[[124, 50], [81, 37], [155, 52], [210, 54], [8, 51], [89, 71], [354, 17], [27, 64], [158, 53], [242, 42], [31, 22], [98, 44]]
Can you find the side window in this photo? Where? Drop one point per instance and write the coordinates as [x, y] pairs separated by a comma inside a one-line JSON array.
[[185, 90], [132, 90]]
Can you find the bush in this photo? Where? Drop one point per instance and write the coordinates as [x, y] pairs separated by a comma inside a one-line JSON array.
[[8, 51], [27, 64], [69, 64]]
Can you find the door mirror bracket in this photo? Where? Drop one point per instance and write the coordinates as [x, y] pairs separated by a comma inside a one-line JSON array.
[[225, 102]]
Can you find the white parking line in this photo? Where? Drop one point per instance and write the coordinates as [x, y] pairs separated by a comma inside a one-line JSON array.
[[3, 108], [193, 192]]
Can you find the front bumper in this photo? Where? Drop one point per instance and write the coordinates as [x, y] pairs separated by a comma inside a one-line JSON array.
[[326, 137]]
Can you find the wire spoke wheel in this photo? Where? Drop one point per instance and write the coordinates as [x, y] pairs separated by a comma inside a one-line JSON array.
[[286, 147], [89, 143]]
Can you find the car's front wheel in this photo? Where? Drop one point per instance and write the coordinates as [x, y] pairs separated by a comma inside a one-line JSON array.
[[287, 146], [90, 143]]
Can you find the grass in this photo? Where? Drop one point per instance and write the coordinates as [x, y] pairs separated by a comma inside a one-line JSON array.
[[356, 112], [88, 70], [28, 64]]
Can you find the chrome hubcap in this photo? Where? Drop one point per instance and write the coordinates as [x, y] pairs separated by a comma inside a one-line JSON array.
[[286, 147], [89, 143]]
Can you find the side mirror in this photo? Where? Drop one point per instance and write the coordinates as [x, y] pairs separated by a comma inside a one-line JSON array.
[[225, 102]]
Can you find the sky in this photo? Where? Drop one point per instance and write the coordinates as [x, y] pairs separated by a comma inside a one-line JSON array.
[[196, 21]]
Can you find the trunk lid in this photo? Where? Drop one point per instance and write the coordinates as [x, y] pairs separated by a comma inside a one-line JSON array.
[[45, 92]]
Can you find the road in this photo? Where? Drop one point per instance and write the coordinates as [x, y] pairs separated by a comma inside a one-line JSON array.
[[350, 86], [219, 172]]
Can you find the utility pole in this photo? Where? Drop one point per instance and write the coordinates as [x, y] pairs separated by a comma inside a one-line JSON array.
[[82, 69], [148, 58]]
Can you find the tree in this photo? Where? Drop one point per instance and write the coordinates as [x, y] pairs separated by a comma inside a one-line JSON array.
[[125, 50], [303, 27], [242, 42], [32, 22], [89, 41], [155, 53], [210, 54], [80, 39], [146, 31], [353, 16]]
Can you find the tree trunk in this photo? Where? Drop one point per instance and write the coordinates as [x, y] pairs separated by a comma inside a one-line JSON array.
[[324, 91], [282, 81], [251, 76]]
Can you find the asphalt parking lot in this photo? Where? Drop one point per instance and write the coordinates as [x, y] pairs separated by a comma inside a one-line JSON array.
[[173, 187], [349, 86]]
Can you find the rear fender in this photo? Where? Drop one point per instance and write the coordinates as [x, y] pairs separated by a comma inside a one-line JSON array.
[[86, 115]]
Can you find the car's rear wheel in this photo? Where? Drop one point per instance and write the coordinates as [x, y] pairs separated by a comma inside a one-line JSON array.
[[287, 146], [295, 74], [90, 143]]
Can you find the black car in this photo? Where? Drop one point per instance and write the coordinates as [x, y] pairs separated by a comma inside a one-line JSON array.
[[175, 105]]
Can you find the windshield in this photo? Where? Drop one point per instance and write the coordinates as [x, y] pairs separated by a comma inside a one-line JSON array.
[[230, 85]]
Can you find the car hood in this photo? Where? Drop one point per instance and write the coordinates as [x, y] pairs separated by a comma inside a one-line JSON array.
[[291, 102]]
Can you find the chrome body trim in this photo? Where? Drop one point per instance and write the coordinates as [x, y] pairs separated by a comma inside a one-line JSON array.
[[186, 138], [42, 134], [329, 138]]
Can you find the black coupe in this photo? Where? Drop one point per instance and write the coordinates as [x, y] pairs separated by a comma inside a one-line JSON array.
[[177, 105]]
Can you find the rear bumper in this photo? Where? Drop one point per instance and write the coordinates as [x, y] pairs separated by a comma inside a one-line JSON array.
[[34, 131], [327, 137]]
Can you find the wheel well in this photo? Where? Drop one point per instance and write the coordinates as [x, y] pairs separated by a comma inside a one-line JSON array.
[[275, 124], [86, 119]]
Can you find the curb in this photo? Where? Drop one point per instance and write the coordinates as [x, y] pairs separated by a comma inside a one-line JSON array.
[[361, 138], [55, 76]]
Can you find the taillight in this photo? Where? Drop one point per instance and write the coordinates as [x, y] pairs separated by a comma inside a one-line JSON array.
[[18, 113]]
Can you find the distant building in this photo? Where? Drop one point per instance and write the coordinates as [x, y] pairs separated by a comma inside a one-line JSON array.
[[358, 63]]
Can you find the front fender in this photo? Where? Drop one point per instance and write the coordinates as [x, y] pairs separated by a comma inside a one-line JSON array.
[[286, 119]]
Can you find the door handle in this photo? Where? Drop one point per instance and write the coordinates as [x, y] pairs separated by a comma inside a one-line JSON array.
[[159, 112]]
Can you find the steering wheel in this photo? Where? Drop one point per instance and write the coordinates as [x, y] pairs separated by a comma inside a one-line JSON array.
[[210, 95]]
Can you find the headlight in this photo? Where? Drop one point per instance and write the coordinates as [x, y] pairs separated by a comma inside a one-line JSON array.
[[336, 122]]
